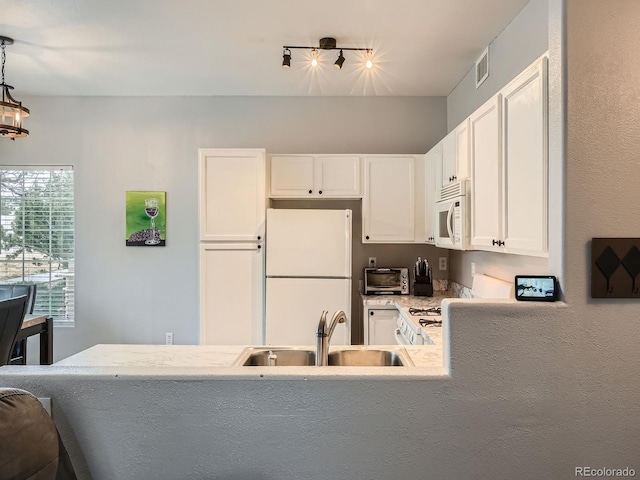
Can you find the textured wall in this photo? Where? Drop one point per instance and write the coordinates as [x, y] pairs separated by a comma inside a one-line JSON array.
[[135, 295]]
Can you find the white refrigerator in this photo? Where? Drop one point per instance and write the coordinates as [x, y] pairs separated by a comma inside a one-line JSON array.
[[308, 270]]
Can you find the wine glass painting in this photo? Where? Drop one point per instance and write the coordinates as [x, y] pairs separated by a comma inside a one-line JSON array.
[[145, 219]]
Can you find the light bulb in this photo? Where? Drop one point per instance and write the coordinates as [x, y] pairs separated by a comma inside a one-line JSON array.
[[369, 63], [314, 62], [17, 117]]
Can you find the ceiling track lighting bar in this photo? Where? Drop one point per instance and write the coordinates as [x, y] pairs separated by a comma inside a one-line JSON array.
[[326, 43]]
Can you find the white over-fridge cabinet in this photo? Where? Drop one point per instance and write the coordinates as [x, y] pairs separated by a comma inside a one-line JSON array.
[[232, 202], [315, 176]]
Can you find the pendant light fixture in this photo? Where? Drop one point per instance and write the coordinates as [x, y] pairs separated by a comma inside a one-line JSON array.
[[12, 113], [326, 43]]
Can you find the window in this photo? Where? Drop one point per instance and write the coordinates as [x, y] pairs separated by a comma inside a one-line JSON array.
[[37, 236]]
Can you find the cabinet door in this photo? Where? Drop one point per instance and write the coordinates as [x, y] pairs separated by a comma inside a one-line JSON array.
[[292, 176], [524, 104], [388, 205], [337, 177], [462, 151], [231, 294], [485, 176], [449, 158], [232, 194], [430, 195], [382, 325]]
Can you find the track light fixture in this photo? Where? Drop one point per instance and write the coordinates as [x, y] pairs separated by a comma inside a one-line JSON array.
[[286, 58], [326, 43], [11, 111]]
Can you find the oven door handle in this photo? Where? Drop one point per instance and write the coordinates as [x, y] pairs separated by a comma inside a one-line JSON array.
[[400, 338]]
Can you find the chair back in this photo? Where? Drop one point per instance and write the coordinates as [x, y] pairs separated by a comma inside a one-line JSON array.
[[10, 290], [12, 312]]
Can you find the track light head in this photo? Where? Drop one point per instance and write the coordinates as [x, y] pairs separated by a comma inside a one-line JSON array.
[[286, 58], [339, 61]]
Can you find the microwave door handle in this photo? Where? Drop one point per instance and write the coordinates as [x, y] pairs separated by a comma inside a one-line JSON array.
[[449, 216]]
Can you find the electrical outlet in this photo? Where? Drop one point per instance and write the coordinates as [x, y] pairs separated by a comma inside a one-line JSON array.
[[372, 262], [168, 338], [443, 263]]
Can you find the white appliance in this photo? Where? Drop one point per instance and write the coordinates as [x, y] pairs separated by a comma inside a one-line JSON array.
[[452, 218], [308, 255]]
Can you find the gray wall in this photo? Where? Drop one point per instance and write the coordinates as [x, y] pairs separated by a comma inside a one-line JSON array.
[[135, 295], [517, 46]]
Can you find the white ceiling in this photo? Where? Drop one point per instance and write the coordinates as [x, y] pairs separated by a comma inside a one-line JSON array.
[[234, 47]]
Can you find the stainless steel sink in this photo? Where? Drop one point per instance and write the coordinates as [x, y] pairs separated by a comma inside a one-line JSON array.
[[341, 357], [370, 358], [276, 357]]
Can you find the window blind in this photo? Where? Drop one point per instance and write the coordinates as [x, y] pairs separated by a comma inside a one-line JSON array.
[[37, 236]]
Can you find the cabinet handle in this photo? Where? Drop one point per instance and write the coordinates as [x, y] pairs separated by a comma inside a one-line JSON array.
[[371, 313], [367, 237], [501, 243], [493, 242], [455, 177], [259, 237], [259, 247], [310, 191], [320, 192]]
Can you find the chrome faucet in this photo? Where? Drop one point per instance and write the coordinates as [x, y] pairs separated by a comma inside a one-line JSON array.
[[323, 335]]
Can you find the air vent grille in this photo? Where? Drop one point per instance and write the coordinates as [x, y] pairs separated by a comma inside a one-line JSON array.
[[482, 67]]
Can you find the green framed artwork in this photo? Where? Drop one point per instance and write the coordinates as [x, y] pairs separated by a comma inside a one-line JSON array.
[[146, 219]]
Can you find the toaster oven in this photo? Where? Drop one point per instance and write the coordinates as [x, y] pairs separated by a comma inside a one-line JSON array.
[[386, 281]]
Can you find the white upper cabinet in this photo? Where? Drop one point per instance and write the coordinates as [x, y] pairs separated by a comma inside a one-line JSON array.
[[431, 160], [509, 167], [524, 153], [317, 176], [232, 194], [388, 208], [486, 182], [462, 151], [455, 155], [448, 158], [292, 176]]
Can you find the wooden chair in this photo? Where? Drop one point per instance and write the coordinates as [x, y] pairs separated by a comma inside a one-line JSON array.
[[12, 312]]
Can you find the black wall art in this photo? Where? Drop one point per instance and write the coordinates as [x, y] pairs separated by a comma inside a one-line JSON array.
[[615, 268]]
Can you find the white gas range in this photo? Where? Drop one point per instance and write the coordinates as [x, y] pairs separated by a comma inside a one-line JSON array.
[[419, 326]]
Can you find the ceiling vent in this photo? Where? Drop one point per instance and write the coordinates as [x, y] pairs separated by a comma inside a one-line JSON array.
[[482, 67]]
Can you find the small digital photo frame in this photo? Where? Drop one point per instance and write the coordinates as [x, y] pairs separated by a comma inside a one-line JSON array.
[[536, 288]]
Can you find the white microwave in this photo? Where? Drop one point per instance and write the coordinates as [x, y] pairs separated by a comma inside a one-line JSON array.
[[452, 216]]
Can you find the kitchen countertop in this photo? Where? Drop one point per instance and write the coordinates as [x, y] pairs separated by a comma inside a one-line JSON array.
[[208, 359], [218, 360]]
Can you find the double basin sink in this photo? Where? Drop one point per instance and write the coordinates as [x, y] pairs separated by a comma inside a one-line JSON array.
[[344, 357]]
